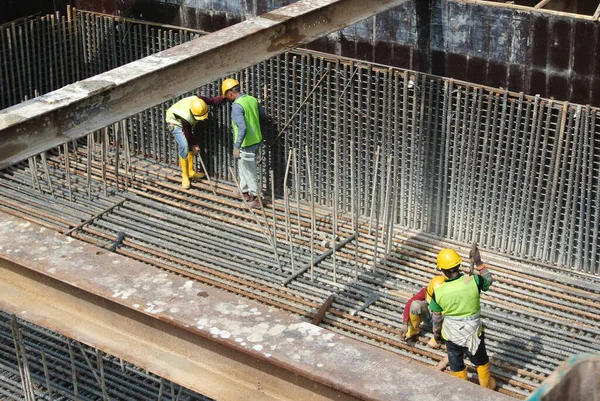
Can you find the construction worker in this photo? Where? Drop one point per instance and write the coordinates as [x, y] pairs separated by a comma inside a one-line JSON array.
[[181, 119], [247, 136], [417, 311], [455, 315]]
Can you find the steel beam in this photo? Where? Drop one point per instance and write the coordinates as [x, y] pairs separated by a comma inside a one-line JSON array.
[[202, 338], [82, 107]]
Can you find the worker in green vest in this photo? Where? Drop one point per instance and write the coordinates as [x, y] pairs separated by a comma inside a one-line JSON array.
[[455, 308], [246, 113], [181, 119]]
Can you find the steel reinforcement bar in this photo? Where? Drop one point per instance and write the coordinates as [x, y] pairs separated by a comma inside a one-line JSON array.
[[536, 317], [515, 172]]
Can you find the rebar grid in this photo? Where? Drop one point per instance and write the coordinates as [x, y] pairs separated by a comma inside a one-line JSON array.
[[517, 173], [38, 364], [41, 54], [535, 317]]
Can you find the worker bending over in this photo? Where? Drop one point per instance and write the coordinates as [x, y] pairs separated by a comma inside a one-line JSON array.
[[455, 307], [247, 136], [181, 119], [417, 311]]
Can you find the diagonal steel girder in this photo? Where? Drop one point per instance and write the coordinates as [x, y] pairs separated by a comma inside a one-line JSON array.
[[77, 109]]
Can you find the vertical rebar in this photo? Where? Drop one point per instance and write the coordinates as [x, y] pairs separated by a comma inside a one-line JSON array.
[[287, 225], [525, 207], [47, 172], [22, 362], [127, 153], [68, 169], [312, 212], [47, 375], [35, 184], [274, 217], [100, 363], [73, 370], [89, 165], [353, 207], [554, 173], [161, 389], [89, 364], [104, 148], [117, 136], [297, 186], [374, 184], [335, 200], [571, 211]]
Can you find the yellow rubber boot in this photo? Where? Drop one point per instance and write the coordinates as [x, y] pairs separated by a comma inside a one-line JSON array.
[[461, 375], [483, 373], [185, 178], [192, 174], [413, 327]]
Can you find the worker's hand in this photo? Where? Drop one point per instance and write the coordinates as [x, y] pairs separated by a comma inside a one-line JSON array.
[[236, 153], [432, 343], [475, 256], [195, 149], [437, 338]]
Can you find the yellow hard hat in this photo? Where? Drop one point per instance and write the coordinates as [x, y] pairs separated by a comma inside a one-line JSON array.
[[228, 84], [433, 284], [448, 259], [199, 109]]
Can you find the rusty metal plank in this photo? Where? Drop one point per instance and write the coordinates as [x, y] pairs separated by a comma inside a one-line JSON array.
[[323, 310], [220, 345], [85, 106]]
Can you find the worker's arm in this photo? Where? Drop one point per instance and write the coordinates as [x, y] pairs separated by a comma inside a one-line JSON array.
[[482, 271], [213, 101], [237, 115], [419, 296], [436, 319], [188, 132], [483, 279]]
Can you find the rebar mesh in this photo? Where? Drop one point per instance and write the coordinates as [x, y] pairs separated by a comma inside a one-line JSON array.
[[39, 364], [517, 173]]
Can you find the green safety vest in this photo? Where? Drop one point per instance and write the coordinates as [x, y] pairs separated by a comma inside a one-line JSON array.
[[181, 109], [252, 119], [459, 297]]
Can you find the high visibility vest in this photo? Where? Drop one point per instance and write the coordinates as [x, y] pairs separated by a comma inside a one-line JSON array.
[[181, 109], [458, 297], [252, 119]]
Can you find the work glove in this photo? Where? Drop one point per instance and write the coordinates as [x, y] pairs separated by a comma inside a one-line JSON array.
[[236, 153], [437, 338], [432, 343], [475, 256]]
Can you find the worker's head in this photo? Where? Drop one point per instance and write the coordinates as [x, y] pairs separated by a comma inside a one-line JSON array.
[[448, 261], [230, 88], [199, 109], [433, 284]]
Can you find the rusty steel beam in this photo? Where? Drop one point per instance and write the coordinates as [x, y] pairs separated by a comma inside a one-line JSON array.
[[85, 106], [220, 345]]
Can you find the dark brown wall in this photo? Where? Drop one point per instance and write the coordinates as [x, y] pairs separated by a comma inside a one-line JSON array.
[[536, 53], [11, 10]]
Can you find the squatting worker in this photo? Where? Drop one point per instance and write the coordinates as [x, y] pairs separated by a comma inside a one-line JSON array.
[[181, 119], [416, 311], [455, 307], [246, 113]]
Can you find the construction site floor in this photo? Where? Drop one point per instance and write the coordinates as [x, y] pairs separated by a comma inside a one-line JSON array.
[[535, 316]]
